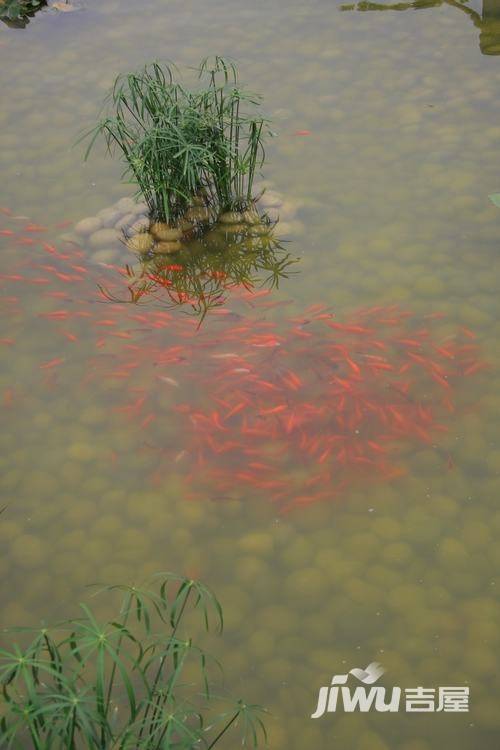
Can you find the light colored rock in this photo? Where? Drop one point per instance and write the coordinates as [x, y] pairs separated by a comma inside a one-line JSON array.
[[88, 226], [109, 216], [164, 232], [126, 205], [104, 237], [141, 242]]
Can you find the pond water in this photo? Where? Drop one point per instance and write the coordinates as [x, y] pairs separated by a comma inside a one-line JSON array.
[[388, 132]]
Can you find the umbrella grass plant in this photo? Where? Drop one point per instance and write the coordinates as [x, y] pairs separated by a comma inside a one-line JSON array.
[[121, 684], [204, 144]]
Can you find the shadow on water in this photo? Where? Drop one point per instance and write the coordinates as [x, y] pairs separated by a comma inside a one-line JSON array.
[[486, 19]]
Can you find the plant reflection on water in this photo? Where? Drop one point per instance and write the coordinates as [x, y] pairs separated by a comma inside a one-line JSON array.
[[203, 275], [487, 20]]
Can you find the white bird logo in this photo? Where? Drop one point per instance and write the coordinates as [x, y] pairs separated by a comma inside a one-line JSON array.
[[368, 676]]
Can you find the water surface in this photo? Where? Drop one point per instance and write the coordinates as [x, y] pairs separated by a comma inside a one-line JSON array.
[[393, 185]]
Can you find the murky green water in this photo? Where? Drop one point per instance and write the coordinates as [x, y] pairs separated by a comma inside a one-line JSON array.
[[393, 185]]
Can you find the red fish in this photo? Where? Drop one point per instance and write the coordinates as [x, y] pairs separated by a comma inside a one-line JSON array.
[[51, 363]]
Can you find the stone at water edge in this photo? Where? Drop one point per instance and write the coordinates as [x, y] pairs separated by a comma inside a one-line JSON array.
[[141, 243], [164, 232]]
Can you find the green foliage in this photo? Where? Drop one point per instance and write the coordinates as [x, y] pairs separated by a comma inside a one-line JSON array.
[[18, 11], [84, 684], [179, 143]]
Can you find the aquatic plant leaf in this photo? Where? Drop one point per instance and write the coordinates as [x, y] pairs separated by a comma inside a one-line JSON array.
[[19, 10], [495, 199], [179, 144]]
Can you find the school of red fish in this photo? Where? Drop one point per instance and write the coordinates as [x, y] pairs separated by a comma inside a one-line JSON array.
[[292, 409]]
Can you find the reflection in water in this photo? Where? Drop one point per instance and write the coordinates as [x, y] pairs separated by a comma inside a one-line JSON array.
[[395, 206], [17, 13], [488, 21], [202, 276]]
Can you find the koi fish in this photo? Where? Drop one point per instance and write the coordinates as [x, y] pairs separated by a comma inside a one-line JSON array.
[[51, 363]]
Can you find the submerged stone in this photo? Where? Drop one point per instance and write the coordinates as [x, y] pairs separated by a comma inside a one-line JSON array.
[[103, 237], [109, 216], [127, 205], [125, 222], [88, 226]]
